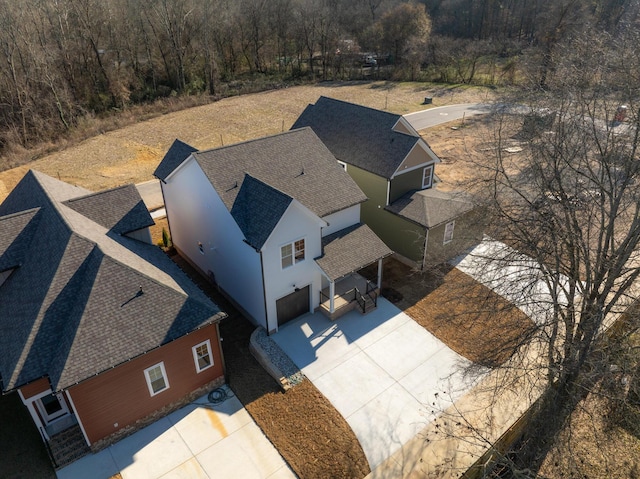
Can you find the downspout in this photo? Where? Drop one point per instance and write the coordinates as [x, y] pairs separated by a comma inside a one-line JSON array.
[[264, 294], [224, 363], [426, 242]]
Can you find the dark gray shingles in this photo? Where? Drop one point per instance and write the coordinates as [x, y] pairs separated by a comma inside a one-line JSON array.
[[178, 152], [257, 210], [63, 311], [119, 209], [349, 250], [295, 163], [30, 193], [16, 233], [431, 207], [358, 135]]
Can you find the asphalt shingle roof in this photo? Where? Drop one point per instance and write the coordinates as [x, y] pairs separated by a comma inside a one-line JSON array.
[[178, 152], [295, 163], [258, 209], [83, 298], [349, 250], [120, 210], [431, 207], [358, 135]]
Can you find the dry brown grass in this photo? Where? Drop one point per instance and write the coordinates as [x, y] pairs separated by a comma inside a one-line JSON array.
[[131, 154], [589, 447]]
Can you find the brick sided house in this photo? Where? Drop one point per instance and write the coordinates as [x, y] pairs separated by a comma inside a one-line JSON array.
[[99, 330]]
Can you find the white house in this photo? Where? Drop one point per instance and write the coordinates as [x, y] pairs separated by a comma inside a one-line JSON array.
[[275, 223]]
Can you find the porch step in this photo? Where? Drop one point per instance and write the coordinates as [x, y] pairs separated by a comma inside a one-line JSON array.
[[68, 446], [369, 306]]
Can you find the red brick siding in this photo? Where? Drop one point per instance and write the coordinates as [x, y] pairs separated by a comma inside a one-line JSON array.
[[121, 396]]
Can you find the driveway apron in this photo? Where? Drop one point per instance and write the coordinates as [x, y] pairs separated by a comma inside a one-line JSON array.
[[386, 375]]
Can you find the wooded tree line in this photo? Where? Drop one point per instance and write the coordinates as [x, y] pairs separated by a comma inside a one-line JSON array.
[[63, 59]]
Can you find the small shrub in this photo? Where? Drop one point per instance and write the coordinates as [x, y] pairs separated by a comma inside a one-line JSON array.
[[166, 239]]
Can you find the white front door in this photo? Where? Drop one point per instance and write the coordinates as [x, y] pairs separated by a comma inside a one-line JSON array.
[[52, 407]]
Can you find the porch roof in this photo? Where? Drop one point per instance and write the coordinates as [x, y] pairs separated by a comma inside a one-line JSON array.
[[349, 250]]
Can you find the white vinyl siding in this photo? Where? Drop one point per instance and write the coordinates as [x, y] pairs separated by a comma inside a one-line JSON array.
[[292, 253]]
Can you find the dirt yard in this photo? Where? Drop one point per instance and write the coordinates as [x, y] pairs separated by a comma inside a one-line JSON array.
[[132, 153]]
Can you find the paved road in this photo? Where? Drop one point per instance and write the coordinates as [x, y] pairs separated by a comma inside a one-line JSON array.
[[421, 120], [151, 194]]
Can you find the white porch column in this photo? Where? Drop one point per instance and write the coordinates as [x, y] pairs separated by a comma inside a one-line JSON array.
[[380, 273], [332, 293]]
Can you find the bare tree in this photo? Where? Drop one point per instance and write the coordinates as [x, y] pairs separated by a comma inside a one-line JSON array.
[[569, 201]]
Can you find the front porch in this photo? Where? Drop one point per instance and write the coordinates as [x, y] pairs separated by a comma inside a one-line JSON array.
[[346, 252], [352, 292]]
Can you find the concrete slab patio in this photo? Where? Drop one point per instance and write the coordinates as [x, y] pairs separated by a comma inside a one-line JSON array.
[[387, 375], [200, 441]]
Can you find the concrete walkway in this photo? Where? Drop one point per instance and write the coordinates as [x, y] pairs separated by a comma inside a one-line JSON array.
[[383, 372], [200, 441]]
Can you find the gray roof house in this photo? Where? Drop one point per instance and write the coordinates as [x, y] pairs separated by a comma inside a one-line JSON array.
[[395, 168], [270, 221], [87, 305]]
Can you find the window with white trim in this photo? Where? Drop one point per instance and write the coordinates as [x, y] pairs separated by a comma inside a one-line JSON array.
[[427, 176], [292, 253], [202, 355], [343, 165], [156, 377], [448, 232]]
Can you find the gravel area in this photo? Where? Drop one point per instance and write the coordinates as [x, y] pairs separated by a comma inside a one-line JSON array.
[[277, 357]]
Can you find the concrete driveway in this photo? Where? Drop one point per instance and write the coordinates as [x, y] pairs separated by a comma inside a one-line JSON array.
[[383, 372], [199, 441], [431, 117]]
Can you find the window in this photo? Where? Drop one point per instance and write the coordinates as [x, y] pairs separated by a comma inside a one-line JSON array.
[[343, 165], [427, 176], [448, 232], [156, 379], [202, 355], [292, 253]]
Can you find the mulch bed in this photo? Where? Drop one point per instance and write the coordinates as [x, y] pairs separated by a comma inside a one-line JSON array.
[[305, 428], [465, 315]]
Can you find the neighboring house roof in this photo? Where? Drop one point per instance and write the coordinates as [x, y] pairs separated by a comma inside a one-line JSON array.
[[349, 250], [82, 298], [359, 135], [431, 207], [178, 152], [258, 209], [119, 210], [296, 163]]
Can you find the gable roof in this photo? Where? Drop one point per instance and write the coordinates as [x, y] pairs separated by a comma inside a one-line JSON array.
[[431, 207], [178, 152], [120, 210], [349, 250], [359, 135], [82, 298], [257, 210], [295, 163]]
